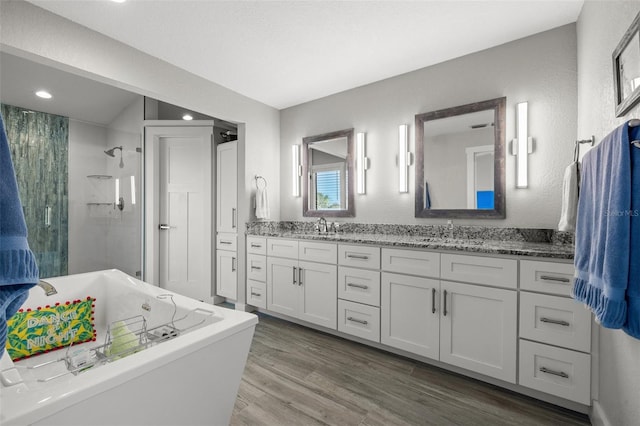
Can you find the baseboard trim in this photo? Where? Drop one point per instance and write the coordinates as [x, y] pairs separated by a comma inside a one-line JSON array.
[[598, 416]]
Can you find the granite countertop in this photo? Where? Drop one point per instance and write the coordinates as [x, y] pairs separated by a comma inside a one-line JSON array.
[[516, 248]]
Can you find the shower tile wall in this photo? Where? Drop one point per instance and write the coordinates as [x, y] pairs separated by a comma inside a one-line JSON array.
[[39, 147]]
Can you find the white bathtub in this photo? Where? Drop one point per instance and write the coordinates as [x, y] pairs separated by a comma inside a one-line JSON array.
[[191, 379]]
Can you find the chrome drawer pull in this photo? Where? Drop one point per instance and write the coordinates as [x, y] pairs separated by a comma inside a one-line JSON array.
[[553, 321], [359, 321], [558, 279], [255, 294], [357, 256], [555, 373], [364, 287], [254, 245], [255, 267], [226, 242]]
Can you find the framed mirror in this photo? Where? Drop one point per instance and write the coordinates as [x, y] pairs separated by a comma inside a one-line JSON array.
[[328, 175], [460, 164]]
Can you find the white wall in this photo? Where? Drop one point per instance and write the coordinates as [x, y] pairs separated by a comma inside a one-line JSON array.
[[540, 69], [88, 225], [600, 27]]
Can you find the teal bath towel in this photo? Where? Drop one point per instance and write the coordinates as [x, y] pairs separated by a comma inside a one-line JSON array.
[[18, 269], [608, 232]]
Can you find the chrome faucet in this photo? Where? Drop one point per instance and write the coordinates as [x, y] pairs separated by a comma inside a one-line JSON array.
[[49, 290], [322, 225], [450, 227]]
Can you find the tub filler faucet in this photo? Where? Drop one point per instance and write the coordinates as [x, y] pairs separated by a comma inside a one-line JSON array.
[[49, 290]]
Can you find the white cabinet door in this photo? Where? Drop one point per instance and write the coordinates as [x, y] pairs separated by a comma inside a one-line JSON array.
[[227, 274], [318, 302], [478, 327], [227, 187], [409, 314], [282, 286]]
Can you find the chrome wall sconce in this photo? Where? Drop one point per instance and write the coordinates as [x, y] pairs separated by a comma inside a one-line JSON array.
[[404, 158], [296, 170], [522, 146], [361, 163]]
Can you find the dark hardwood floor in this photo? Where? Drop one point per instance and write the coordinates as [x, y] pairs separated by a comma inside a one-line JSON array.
[[298, 376]]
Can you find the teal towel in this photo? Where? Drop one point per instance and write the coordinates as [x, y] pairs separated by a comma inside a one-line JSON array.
[[18, 269], [604, 240]]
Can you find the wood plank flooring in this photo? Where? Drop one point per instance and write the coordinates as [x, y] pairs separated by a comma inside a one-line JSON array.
[[298, 376]]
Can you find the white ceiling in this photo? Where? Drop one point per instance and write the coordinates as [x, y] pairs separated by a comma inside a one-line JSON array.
[[284, 53]]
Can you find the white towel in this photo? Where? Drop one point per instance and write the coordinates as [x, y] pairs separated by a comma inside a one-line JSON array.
[[569, 198], [262, 204]]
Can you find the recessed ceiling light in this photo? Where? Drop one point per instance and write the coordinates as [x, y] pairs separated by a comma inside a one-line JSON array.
[[43, 94], [187, 117]]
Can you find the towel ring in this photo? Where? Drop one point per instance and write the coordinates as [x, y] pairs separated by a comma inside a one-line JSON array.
[[260, 179]]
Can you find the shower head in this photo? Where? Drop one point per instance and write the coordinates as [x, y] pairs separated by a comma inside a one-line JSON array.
[[110, 152]]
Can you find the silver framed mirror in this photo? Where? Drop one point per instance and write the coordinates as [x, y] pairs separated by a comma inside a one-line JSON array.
[[328, 175], [460, 161]]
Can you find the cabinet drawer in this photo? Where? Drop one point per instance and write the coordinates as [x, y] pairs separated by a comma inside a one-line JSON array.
[[317, 252], [561, 372], [256, 267], [359, 285], [257, 245], [555, 320], [422, 263], [227, 241], [282, 248], [548, 277], [359, 256], [480, 270], [359, 320], [257, 294]]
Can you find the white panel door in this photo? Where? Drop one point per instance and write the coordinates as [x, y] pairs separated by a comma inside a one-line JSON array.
[[181, 186], [227, 186], [478, 327], [227, 274], [409, 317], [282, 286], [318, 302]]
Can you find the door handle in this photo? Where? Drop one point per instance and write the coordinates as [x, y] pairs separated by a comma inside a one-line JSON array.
[[233, 217], [233, 264], [299, 276], [294, 275], [433, 300], [444, 296], [165, 227]]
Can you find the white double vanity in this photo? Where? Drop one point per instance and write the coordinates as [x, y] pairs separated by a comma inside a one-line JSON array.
[[503, 318]]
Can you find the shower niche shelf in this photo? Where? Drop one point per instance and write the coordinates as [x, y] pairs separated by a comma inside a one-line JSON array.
[[100, 177], [100, 190]]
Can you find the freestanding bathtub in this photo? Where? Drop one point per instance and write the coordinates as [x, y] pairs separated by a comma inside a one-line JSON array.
[[189, 379]]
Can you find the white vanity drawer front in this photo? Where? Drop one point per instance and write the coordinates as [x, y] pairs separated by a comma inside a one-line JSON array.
[[257, 294], [256, 267], [359, 256], [555, 320], [423, 263], [561, 372], [257, 245], [282, 248], [548, 277], [359, 320], [359, 285], [318, 252], [480, 270], [227, 241]]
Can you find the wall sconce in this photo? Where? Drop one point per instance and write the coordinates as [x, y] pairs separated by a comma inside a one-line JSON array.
[[522, 146], [404, 158], [361, 163], [295, 170]]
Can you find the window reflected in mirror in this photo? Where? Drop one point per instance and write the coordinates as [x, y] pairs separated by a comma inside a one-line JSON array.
[[328, 168]]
